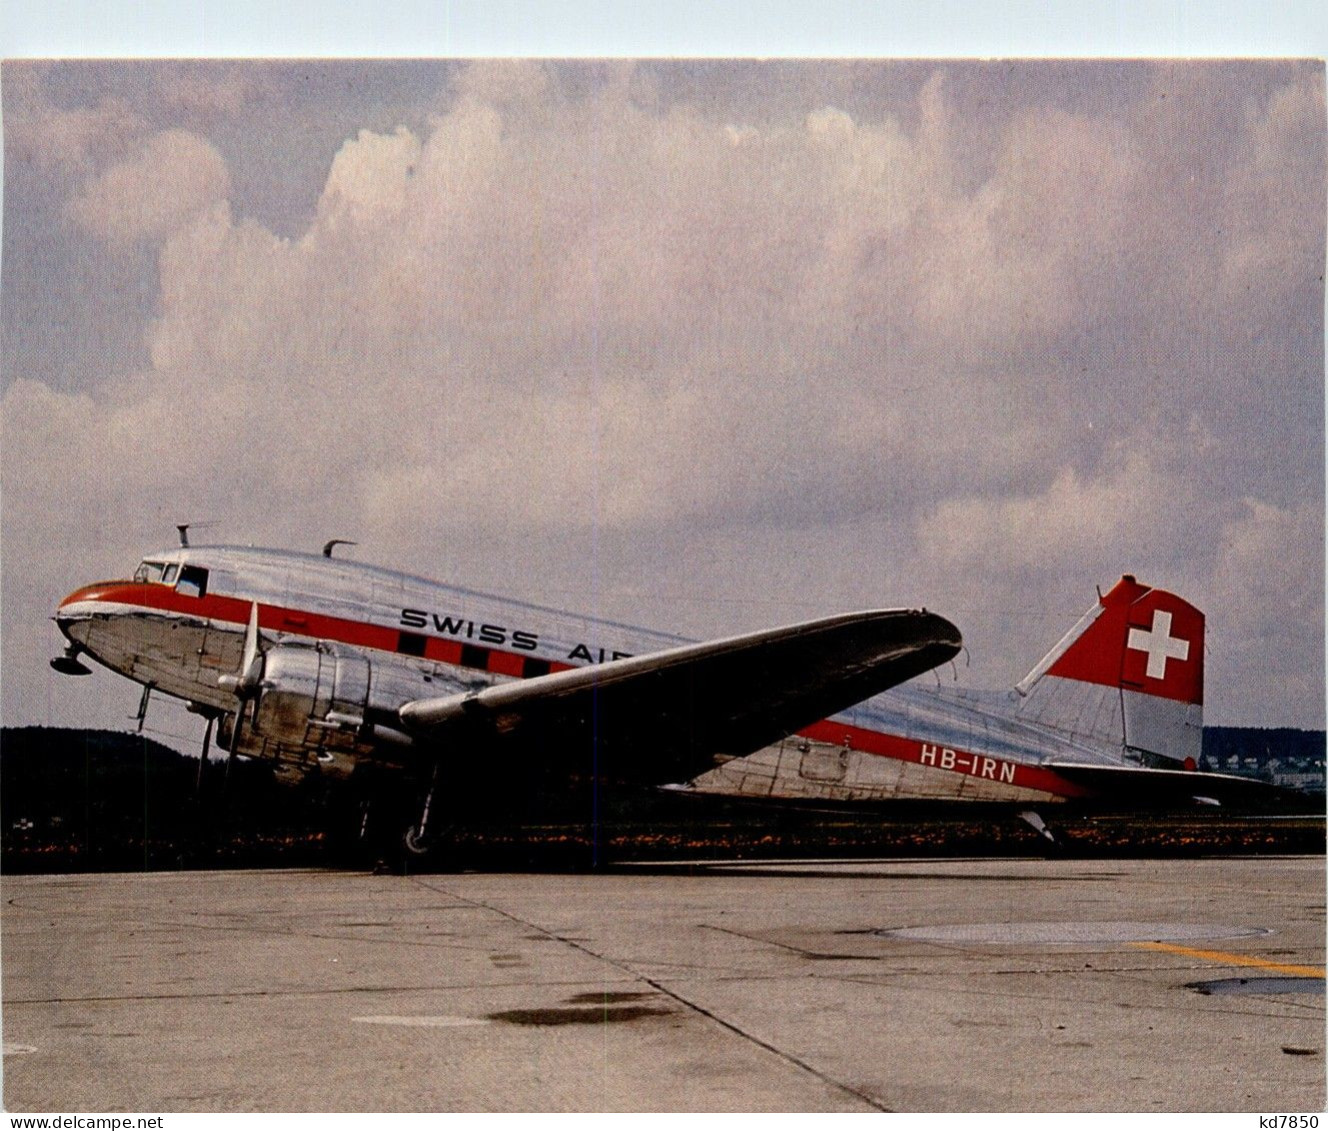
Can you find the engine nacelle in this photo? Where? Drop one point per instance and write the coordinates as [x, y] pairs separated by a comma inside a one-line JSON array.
[[312, 689], [311, 711]]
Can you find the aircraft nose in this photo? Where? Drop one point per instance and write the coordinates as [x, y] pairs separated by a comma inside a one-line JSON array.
[[74, 628], [73, 616], [75, 622]]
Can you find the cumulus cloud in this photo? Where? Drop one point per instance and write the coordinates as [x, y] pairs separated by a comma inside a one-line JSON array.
[[510, 83], [1266, 610], [1051, 529], [171, 178], [368, 181], [566, 313], [1259, 576], [63, 140], [1274, 187], [211, 87]]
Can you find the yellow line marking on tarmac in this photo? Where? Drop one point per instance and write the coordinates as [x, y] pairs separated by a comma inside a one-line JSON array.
[[1227, 959]]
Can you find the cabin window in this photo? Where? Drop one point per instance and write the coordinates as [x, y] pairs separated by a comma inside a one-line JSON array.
[[168, 577], [149, 572], [193, 581]]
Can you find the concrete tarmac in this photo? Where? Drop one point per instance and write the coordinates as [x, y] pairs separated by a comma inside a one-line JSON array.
[[956, 985]]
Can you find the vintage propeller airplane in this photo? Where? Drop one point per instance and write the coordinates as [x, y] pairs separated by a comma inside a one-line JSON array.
[[323, 665]]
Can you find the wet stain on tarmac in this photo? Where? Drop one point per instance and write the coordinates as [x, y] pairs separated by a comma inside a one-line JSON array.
[[1270, 985], [574, 1016]]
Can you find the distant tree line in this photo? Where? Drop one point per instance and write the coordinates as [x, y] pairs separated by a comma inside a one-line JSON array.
[[89, 800], [94, 800], [1279, 754]]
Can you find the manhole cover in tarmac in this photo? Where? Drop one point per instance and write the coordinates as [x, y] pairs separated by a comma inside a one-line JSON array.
[[1283, 985], [1073, 932]]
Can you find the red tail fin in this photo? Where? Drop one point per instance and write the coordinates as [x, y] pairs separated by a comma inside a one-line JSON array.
[[1142, 649]]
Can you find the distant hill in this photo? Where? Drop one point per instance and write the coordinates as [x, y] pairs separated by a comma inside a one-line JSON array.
[[101, 800]]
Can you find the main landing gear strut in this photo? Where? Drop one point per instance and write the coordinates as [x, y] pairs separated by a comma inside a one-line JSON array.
[[416, 840]]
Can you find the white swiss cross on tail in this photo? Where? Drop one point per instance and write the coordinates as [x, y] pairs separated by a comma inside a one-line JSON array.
[[1160, 645]]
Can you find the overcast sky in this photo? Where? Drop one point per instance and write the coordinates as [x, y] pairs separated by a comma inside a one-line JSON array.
[[701, 345]]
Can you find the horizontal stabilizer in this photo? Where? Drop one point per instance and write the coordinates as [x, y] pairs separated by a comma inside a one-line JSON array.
[[1141, 786]]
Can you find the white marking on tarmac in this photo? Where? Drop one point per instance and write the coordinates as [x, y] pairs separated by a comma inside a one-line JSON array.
[[421, 1021], [12, 1049]]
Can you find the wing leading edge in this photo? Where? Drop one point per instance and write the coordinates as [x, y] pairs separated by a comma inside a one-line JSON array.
[[664, 717]]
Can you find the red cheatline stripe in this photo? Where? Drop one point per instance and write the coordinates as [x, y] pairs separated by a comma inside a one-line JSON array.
[[960, 761], [275, 618]]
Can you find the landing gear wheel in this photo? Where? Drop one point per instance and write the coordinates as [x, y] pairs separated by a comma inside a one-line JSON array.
[[416, 844]]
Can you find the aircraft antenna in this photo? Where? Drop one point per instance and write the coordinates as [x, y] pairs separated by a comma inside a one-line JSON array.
[[185, 527], [327, 548]]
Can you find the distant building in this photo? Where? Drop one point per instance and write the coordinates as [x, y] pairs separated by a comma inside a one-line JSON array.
[[1283, 756]]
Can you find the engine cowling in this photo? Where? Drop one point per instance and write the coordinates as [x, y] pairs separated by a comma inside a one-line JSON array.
[[319, 688], [312, 709]]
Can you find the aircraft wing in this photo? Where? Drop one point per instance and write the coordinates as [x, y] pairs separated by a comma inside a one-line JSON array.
[[663, 717], [1146, 787]]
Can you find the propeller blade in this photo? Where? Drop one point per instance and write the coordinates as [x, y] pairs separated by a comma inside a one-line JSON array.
[[202, 759], [236, 731], [251, 666], [249, 679]]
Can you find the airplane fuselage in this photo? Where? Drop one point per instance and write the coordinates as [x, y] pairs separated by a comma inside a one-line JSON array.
[[350, 643]]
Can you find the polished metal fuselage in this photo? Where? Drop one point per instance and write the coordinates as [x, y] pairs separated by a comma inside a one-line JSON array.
[[392, 638]]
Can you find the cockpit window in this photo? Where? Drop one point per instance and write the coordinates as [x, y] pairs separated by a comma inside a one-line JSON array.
[[149, 572], [193, 581], [168, 578]]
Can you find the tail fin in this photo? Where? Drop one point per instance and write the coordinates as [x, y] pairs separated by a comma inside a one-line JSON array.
[[1129, 675]]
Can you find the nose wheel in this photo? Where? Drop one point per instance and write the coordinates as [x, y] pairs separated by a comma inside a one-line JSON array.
[[69, 663]]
